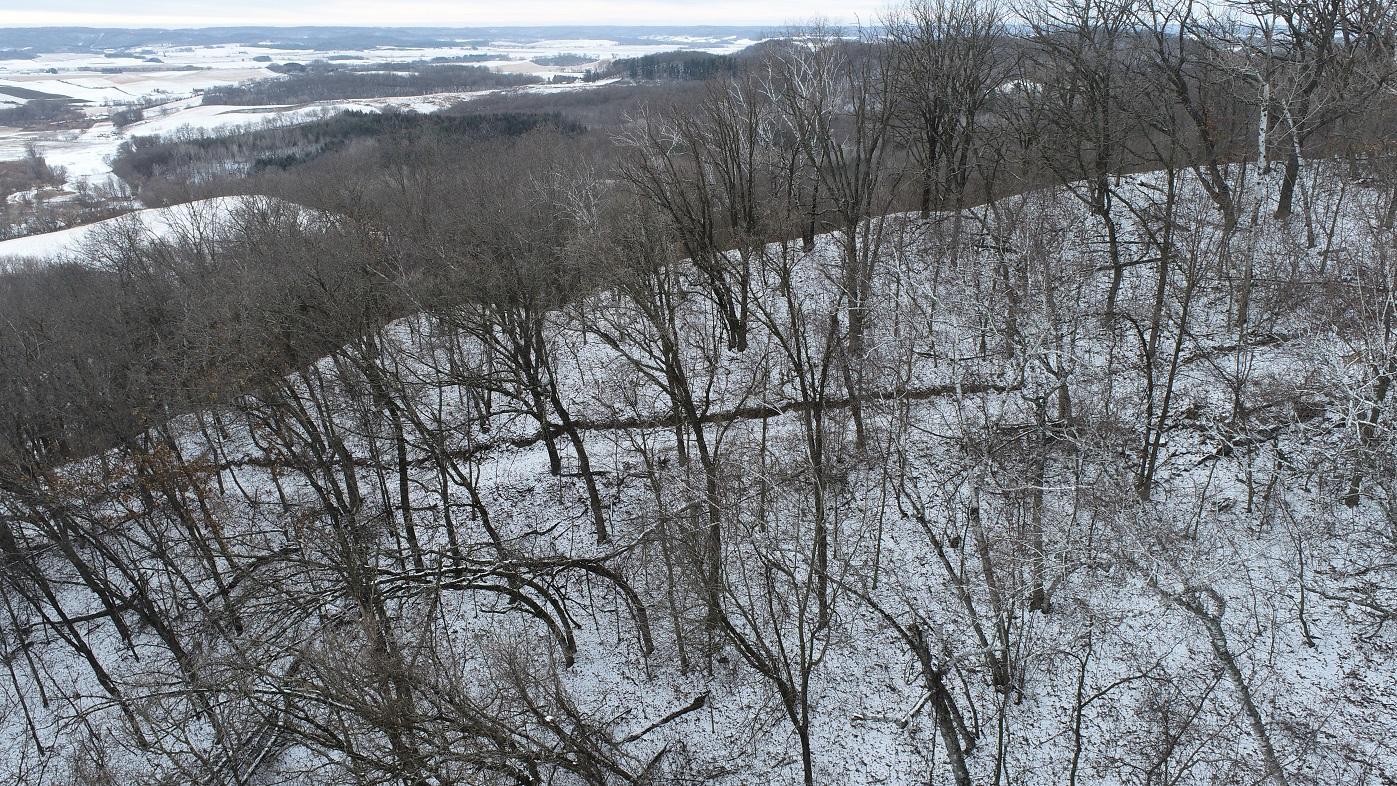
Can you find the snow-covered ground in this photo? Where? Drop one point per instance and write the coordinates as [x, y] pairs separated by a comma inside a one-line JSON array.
[[85, 153], [209, 217], [122, 88], [78, 74], [1118, 682]]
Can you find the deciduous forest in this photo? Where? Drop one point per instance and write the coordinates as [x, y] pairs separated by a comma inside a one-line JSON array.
[[994, 395]]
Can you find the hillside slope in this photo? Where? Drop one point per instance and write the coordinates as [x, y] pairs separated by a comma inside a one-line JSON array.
[[1006, 537]]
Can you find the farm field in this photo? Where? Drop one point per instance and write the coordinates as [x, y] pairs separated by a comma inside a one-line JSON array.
[[170, 88]]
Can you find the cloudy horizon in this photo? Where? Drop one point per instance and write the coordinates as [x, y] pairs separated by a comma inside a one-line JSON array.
[[429, 13]]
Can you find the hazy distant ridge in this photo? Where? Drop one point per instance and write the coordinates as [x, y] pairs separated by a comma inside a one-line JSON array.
[[86, 39]]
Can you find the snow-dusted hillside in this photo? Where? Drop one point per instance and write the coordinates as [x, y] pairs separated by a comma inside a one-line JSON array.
[[191, 221], [1089, 550]]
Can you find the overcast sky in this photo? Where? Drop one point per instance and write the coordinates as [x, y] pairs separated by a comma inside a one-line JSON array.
[[464, 13]]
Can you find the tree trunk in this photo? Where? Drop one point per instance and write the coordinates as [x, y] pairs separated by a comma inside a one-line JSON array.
[[1366, 430], [942, 708], [1286, 203]]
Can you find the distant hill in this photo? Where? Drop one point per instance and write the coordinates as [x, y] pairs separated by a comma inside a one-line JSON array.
[[86, 39]]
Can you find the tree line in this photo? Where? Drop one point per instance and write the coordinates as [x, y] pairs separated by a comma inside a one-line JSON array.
[[325, 82]]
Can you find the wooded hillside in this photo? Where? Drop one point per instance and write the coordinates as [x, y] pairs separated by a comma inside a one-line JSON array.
[[945, 403]]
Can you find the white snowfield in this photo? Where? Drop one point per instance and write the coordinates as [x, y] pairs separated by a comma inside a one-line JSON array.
[[191, 220], [86, 155], [185, 71], [99, 88]]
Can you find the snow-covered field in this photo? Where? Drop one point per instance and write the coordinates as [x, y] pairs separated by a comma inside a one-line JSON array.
[[78, 75], [84, 153], [87, 154], [128, 87]]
